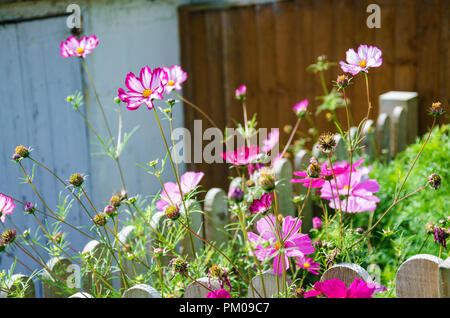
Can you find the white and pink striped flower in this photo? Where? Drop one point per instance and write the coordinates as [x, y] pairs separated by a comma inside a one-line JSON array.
[[144, 89], [6, 207], [74, 47], [176, 76], [367, 57]]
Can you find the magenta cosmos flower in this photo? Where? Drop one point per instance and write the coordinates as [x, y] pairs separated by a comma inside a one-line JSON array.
[[301, 108], [74, 47], [367, 57], [241, 92], [219, 293], [241, 156], [360, 196], [339, 168], [170, 195], [261, 205], [335, 288], [176, 76], [308, 264], [278, 240], [144, 89], [6, 207]]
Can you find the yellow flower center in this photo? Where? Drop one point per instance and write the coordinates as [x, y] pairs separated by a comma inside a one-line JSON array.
[[306, 265], [347, 188], [277, 246], [80, 50], [363, 63], [171, 83], [147, 92]]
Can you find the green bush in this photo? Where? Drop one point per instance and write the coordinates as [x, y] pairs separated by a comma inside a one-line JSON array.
[[400, 234]]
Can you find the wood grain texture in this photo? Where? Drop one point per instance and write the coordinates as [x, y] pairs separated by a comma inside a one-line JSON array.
[[346, 272], [418, 277], [444, 279], [141, 291], [195, 290], [268, 46]]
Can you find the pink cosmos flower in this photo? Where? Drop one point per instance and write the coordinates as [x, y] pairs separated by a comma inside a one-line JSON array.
[[367, 57], [317, 223], [170, 195], [254, 167], [219, 293], [360, 196], [277, 239], [144, 89], [339, 168], [308, 264], [241, 156], [301, 107], [241, 92], [271, 141], [335, 288], [6, 206], [261, 205], [74, 47], [176, 76]]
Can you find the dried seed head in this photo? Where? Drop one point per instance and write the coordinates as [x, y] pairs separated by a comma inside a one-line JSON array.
[[434, 181], [327, 143], [172, 212], [314, 169], [115, 201], [22, 151], [8, 236], [76, 180], [266, 179], [429, 227], [342, 81], [178, 265], [436, 109], [100, 219]]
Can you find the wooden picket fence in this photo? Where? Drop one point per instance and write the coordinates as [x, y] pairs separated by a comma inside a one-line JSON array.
[[420, 276]]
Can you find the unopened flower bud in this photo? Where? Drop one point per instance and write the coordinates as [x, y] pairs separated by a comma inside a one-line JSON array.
[[342, 81], [280, 218], [158, 251], [250, 183], [317, 223], [117, 100], [236, 194], [360, 230], [29, 208], [76, 180], [287, 129], [15, 157], [317, 243], [110, 211], [172, 212]]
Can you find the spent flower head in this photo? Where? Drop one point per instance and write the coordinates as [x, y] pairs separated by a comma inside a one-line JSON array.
[[436, 109], [434, 180], [76, 180], [100, 219], [327, 143], [22, 152], [8, 236]]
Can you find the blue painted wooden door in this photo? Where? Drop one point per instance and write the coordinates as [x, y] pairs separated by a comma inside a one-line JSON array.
[[34, 82]]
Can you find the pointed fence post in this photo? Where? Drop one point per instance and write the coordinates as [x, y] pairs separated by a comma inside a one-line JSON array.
[[97, 256], [409, 101], [141, 291], [301, 163], [216, 215], [384, 137], [398, 130], [283, 172], [21, 284], [369, 142], [195, 290], [61, 273], [418, 277], [270, 285], [346, 272], [444, 279]]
